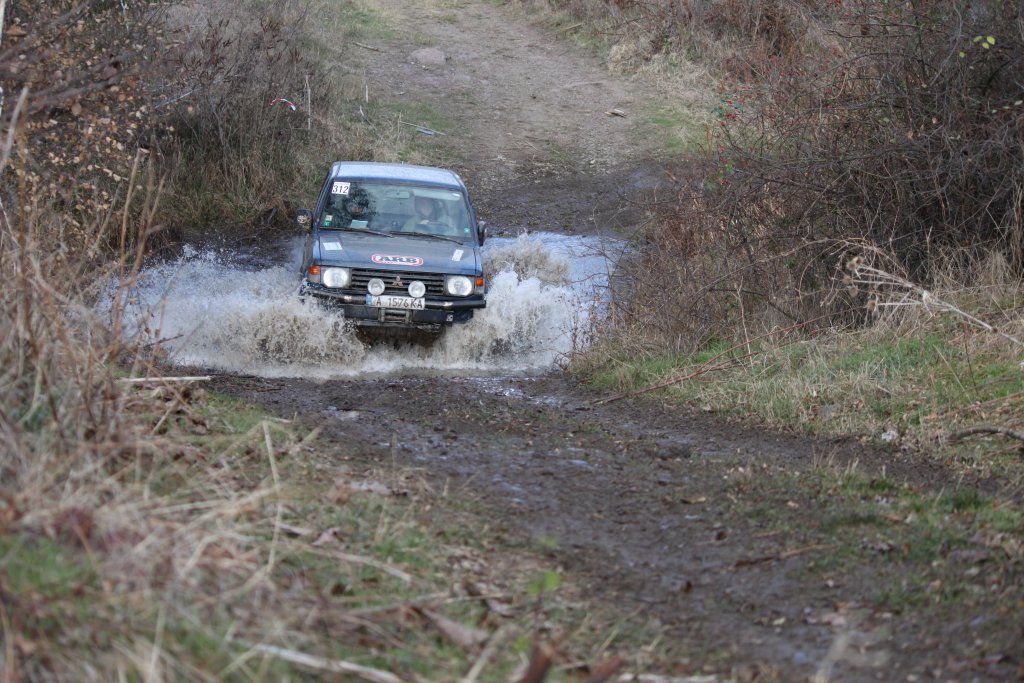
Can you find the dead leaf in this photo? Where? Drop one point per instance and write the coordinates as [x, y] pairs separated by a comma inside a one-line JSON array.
[[972, 556], [75, 523], [25, 646], [489, 596], [371, 487], [16, 32], [294, 530], [696, 500], [327, 536], [540, 664], [616, 112], [9, 514], [603, 671], [833, 619], [340, 493], [466, 637]]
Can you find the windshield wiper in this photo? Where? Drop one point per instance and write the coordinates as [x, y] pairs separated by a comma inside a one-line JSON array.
[[367, 230], [430, 234]]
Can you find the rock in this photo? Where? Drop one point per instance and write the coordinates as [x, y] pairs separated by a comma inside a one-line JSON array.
[[429, 56]]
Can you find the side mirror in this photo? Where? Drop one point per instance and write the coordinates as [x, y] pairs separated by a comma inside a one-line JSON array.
[[482, 229], [304, 218]]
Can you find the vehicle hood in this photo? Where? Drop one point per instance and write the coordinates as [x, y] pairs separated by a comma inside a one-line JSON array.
[[405, 253]]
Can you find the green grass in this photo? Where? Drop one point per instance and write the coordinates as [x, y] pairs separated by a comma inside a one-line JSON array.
[[353, 20], [420, 114], [674, 129], [44, 568], [862, 383]]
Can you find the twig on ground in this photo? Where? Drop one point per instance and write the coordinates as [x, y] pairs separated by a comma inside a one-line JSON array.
[[571, 27], [367, 47], [498, 639], [987, 429], [749, 561], [702, 369], [656, 678], [338, 666], [370, 562], [146, 380], [422, 129], [459, 634]]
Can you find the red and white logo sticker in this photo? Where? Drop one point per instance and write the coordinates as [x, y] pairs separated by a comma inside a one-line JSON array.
[[392, 260]]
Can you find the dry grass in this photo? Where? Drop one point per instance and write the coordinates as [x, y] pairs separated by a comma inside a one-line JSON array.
[[927, 364]]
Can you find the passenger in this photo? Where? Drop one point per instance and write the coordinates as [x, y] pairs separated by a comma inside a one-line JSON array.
[[429, 218]]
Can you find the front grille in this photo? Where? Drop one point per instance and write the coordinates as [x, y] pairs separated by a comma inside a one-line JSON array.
[[433, 281], [388, 315]]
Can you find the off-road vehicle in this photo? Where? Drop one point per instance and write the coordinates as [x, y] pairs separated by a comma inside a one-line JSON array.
[[395, 246]]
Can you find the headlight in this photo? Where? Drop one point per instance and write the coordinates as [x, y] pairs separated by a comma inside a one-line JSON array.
[[417, 289], [336, 277], [458, 285], [376, 286]]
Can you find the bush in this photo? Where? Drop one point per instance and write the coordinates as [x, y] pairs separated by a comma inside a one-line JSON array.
[[242, 96], [902, 137], [842, 125]]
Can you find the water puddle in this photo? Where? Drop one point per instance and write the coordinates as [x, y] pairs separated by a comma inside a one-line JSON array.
[[220, 311]]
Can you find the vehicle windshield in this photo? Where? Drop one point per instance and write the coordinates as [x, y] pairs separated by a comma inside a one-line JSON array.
[[396, 208]]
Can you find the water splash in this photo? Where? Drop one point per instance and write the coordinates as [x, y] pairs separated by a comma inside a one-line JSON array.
[[223, 313]]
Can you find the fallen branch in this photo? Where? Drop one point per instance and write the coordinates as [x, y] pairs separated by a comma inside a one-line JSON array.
[[491, 648], [879, 281], [702, 369], [987, 429], [370, 562], [338, 666], [422, 129], [468, 638], [748, 561], [566, 29], [367, 47], [655, 678], [143, 380]]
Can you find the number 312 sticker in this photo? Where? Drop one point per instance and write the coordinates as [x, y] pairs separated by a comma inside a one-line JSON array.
[[340, 188]]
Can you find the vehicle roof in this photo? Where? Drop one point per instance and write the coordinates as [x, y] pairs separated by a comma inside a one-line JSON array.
[[373, 170]]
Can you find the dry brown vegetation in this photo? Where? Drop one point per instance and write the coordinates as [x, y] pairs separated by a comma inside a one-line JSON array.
[[840, 125]]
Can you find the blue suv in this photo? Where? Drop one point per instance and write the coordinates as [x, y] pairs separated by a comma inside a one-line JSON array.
[[395, 246]]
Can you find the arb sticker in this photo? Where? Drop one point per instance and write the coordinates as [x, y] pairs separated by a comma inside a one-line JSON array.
[[391, 260], [340, 188]]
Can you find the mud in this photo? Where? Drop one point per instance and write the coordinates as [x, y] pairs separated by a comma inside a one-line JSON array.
[[656, 510]]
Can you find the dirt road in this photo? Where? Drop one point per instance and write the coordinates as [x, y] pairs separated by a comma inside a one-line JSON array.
[[672, 514]]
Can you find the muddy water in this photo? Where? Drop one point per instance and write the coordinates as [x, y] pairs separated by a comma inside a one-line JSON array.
[[219, 311]]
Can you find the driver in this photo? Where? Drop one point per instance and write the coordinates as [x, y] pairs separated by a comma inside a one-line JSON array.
[[356, 208], [428, 218]]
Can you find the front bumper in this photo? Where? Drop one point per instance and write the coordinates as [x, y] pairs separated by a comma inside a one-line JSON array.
[[437, 314]]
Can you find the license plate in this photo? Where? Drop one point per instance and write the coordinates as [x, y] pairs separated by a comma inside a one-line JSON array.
[[390, 301]]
